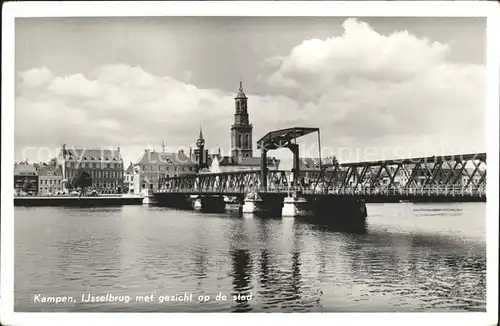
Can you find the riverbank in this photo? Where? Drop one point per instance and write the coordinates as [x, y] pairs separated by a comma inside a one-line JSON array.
[[90, 201]]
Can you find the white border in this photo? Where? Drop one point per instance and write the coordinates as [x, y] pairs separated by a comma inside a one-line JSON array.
[[487, 9]]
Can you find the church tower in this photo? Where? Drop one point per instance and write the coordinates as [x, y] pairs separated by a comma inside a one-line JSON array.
[[200, 152], [241, 130]]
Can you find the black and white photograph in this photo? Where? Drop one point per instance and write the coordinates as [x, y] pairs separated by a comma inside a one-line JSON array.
[[254, 157]]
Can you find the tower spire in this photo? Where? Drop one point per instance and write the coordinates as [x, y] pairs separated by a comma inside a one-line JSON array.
[[200, 143], [163, 146], [201, 133], [241, 93], [241, 130]]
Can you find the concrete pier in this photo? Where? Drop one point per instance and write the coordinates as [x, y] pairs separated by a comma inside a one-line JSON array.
[[210, 204], [147, 197], [252, 205], [234, 205], [180, 201], [197, 205], [75, 201], [295, 205], [345, 213]]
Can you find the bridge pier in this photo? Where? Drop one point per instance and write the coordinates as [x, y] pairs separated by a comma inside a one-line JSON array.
[[210, 204], [263, 204], [197, 205], [252, 204], [295, 205], [234, 204], [346, 213], [180, 201], [148, 197]]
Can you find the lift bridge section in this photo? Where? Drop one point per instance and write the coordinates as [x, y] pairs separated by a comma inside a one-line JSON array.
[[441, 176]]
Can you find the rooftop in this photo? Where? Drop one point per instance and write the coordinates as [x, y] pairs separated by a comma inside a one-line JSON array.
[[25, 169], [153, 157], [94, 154], [246, 161], [130, 169], [49, 171]]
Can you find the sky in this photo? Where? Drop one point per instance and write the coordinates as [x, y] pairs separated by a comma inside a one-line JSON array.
[[378, 88]]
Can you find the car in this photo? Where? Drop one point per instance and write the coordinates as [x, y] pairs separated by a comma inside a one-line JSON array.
[[75, 193]]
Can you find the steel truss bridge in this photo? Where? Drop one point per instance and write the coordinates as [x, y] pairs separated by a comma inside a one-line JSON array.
[[441, 176], [459, 175]]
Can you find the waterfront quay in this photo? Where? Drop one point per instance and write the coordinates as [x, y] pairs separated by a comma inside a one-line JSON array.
[[84, 201]]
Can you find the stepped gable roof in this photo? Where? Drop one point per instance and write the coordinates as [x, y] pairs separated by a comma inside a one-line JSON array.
[[153, 157], [94, 154], [50, 171], [130, 169], [25, 169]]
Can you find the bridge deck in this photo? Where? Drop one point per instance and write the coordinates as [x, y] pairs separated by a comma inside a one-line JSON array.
[[399, 192]]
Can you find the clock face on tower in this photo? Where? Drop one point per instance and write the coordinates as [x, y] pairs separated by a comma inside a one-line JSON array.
[[200, 142]]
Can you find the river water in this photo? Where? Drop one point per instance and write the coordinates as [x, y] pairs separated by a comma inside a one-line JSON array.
[[413, 257]]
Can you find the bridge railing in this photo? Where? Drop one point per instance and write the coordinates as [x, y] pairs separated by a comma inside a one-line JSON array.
[[438, 190], [424, 191]]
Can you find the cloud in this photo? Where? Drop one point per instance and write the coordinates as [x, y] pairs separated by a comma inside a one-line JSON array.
[[364, 90], [366, 87], [75, 86], [119, 104], [35, 77]]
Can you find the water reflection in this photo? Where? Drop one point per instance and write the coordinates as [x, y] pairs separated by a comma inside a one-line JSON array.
[[400, 264], [242, 287], [410, 268]]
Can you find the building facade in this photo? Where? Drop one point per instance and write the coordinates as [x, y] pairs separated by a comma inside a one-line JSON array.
[[241, 130], [105, 167], [128, 179], [221, 164], [50, 180], [152, 166], [25, 179]]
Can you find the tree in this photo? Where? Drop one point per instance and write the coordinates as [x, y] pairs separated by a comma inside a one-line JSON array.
[[82, 180], [67, 184]]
